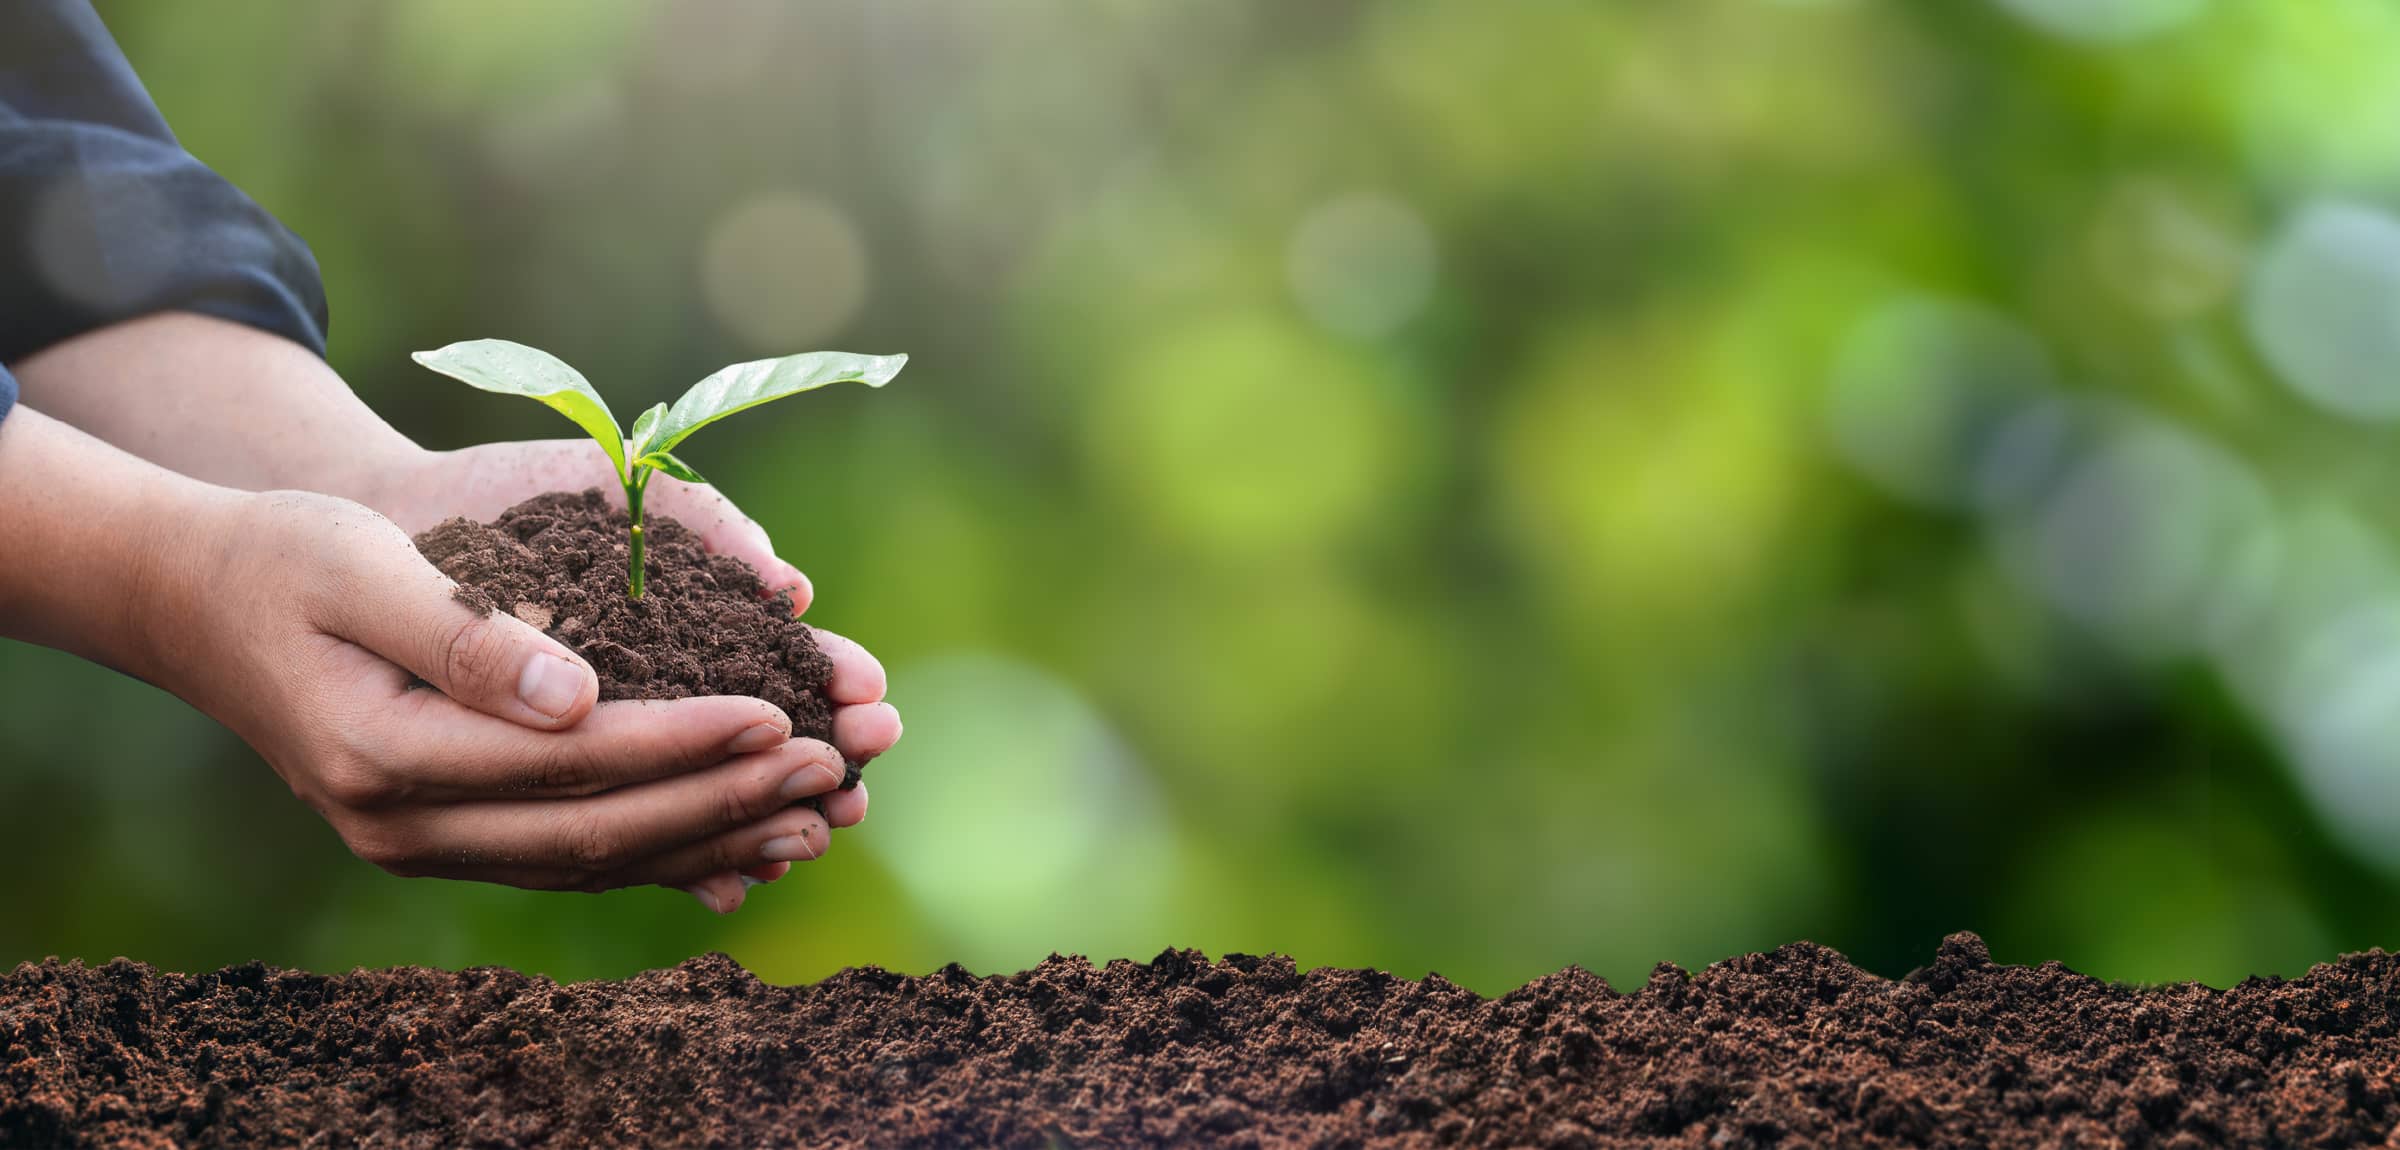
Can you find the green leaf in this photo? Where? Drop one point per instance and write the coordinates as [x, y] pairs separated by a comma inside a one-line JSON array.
[[671, 465], [515, 369], [749, 384], [637, 441]]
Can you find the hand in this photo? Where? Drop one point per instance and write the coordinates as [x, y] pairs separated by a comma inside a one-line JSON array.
[[303, 622], [194, 395], [480, 482], [306, 624]]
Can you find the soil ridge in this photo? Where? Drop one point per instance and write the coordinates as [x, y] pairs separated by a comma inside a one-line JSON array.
[[1791, 1047]]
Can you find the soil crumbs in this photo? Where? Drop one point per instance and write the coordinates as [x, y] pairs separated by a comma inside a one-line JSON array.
[[703, 626], [1795, 1047]]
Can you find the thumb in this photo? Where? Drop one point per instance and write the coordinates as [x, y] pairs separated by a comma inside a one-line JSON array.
[[410, 613]]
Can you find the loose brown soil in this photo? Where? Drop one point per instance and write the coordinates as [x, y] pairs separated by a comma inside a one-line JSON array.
[[1795, 1047], [703, 626]]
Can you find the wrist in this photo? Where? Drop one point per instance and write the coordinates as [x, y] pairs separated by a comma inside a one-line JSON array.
[[112, 548], [220, 402]]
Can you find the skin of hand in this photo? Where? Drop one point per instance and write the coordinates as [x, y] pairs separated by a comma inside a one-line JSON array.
[[303, 622], [482, 481], [236, 407]]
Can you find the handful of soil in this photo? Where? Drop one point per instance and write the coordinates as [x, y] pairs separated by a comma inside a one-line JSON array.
[[703, 626]]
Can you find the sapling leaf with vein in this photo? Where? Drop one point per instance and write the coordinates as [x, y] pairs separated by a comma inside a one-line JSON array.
[[514, 369]]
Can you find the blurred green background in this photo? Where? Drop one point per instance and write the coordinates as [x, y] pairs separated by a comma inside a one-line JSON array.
[[1456, 486]]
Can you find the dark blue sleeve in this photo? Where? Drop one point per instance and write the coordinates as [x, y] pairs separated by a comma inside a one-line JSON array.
[[104, 217]]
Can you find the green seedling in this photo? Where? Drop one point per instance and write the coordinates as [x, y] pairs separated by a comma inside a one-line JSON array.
[[515, 369]]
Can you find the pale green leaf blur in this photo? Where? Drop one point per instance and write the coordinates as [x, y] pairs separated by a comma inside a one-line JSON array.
[[746, 385], [499, 365], [1426, 484]]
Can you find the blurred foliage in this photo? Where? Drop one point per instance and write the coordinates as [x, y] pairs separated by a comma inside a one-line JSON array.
[[1424, 485]]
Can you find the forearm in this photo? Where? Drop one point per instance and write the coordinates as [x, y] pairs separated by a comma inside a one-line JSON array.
[[99, 543], [219, 402]]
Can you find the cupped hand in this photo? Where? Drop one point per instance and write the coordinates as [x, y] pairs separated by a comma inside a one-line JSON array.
[[482, 481], [310, 626], [233, 406]]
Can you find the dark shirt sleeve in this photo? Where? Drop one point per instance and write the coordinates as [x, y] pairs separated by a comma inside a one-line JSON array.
[[104, 217]]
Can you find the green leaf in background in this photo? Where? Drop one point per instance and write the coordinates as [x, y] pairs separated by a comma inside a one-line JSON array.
[[671, 465], [514, 369], [749, 384], [637, 441]]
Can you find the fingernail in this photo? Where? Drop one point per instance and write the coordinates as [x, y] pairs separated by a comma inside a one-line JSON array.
[[751, 880], [757, 738], [790, 848], [550, 684], [812, 779], [706, 899]]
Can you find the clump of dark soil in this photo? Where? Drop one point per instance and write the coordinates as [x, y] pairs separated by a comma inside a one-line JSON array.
[[1791, 1048], [703, 626]]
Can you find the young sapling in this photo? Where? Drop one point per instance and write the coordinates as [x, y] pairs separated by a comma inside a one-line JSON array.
[[515, 369]]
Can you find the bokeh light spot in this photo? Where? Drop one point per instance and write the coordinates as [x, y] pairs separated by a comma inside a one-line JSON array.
[[1248, 434], [2340, 713], [783, 271], [1922, 390], [2320, 100], [2023, 454], [1018, 790], [1649, 485], [2133, 539], [2172, 247], [1362, 264], [2311, 568], [2324, 308]]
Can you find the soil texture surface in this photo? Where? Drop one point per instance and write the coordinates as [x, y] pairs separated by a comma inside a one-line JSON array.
[[1795, 1047], [703, 626]]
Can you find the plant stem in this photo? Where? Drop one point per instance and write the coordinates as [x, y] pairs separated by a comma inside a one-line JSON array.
[[633, 507]]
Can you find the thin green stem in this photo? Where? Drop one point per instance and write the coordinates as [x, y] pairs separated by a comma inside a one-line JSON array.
[[633, 507]]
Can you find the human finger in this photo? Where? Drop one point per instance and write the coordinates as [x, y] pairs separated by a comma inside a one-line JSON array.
[[597, 834], [423, 747], [857, 676], [866, 730], [844, 808], [797, 834], [392, 602]]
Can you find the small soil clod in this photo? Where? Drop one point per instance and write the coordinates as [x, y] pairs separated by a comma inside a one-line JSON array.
[[704, 625]]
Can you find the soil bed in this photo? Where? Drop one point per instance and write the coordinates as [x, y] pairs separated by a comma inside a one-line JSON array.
[[703, 626], [1790, 1048]]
